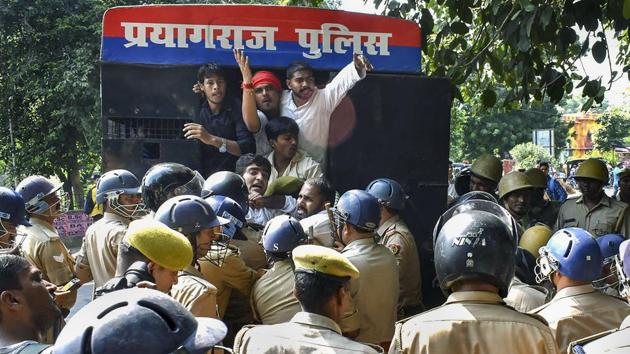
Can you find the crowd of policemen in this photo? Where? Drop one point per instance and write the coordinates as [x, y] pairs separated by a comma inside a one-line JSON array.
[[178, 267]]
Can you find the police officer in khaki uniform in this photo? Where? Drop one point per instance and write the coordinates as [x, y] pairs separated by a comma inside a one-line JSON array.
[[273, 301], [571, 260], [618, 339], [119, 192], [474, 246], [374, 296], [12, 215], [322, 278], [594, 211], [394, 233], [514, 195], [486, 173], [42, 245], [541, 210], [624, 185], [195, 219]]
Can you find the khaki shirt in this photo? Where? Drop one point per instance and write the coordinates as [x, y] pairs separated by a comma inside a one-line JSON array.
[[600, 220], [373, 307], [251, 250], [616, 341], [581, 311], [301, 166], [272, 295], [306, 333], [234, 274], [195, 293], [545, 214], [322, 234], [473, 322], [524, 297], [43, 248], [97, 257], [395, 234]]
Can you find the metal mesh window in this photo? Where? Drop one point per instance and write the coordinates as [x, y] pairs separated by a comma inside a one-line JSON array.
[[145, 128]]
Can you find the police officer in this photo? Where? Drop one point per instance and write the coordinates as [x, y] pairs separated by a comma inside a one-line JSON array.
[[166, 180], [594, 211], [231, 185], [138, 321], [514, 195], [474, 245], [485, 173], [608, 283], [374, 307], [541, 210], [272, 295], [119, 192], [624, 185], [571, 260], [194, 218], [322, 278], [618, 339], [12, 215], [394, 233], [42, 245]]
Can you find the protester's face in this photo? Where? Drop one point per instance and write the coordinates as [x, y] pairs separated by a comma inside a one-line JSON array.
[[267, 98], [302, 83], [590, 188], [164, 278], [214, 88], [545, 169], [481, 184], [309, 201], [517, 202], [205, 238], [37, 298], [285, 145], [256, 179]]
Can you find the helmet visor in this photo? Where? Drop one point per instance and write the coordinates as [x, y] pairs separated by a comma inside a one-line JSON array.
[[192, 187]]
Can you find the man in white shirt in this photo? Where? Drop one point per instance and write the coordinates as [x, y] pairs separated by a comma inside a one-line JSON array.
[[311, 107]]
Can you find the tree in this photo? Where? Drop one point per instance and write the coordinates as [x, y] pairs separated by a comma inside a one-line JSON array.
[[528, 155], [528, 47], [614, 131]]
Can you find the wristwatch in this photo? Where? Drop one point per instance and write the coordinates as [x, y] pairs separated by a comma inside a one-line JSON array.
[[223, 147]]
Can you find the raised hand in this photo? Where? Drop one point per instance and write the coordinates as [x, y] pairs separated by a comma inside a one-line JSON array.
[[243, 63], [362, 63]]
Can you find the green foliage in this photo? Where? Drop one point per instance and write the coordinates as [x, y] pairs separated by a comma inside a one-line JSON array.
[[527, 155], [528, 47], [614, 131]]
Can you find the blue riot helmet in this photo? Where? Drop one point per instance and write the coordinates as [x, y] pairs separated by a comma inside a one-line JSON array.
[[358, 208], [34, 189], [166, 180], [388, 192], [573, 252], [12, 214], [190, 214], [114, 183], [281, 235], [228, 209], [609, 247], [229, 184]]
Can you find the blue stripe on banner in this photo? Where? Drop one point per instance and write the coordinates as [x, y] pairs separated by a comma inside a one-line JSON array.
[[401, 59]]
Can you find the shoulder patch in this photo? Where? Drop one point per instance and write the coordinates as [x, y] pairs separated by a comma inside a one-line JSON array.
[[394, 247]]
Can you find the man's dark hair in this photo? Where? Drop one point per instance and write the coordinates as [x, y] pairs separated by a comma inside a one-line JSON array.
[[250, 159], [543, 163], [208, 70], [11, 266], [326, 190], [314, 290], [297, 66], [128, 255], [281, 125]]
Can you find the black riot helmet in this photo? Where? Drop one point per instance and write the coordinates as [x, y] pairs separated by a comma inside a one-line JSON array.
[[462, 181], [166, 180], [475, 195], [227, 184], [475, 240]]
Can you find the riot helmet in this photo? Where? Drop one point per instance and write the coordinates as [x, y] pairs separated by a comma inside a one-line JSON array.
[[475, 195], [358, 208], [488, 167], [281, 235], [475, 240], [230, 210], [138, 321], [12, 214], [115, 183], [37, 191], [228, 184], [609, 247], [594, 169], [622, 264], [388, 192], [166, 180], [512, 182], [462, 181]]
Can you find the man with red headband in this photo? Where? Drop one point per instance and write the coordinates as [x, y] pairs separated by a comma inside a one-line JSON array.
[[261, 101]]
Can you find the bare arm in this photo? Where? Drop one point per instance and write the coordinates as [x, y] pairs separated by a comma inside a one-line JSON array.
[[197, 131], [250, 116]]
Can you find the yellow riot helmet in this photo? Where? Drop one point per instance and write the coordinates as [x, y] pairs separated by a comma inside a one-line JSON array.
[[513, 181], [592, 168], [487, 166], [534, 238]]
